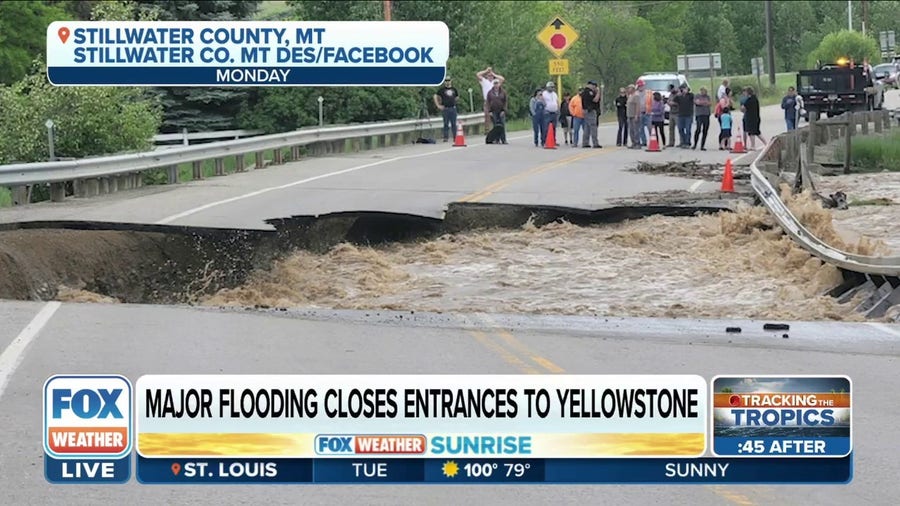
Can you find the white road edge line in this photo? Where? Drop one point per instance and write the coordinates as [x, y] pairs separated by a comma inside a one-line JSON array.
[[696, 186], [885, 328], [204, 207], [14, 353]]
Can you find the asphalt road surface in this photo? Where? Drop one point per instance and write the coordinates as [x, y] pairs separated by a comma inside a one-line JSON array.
[[41, 339], [136, 340], [418, 179]]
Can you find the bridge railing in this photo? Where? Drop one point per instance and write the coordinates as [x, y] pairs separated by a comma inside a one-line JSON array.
[[107, 174], [786, 152]]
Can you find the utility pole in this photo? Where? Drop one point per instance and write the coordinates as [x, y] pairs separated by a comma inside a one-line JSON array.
[[387, 10], [770, 43], [865, 21], [849, 15]]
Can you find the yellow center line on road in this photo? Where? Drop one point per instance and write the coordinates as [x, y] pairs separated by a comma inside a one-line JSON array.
[[546, 365], [498, 185]]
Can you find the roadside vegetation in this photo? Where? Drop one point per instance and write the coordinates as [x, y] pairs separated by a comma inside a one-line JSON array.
[[875, 153]]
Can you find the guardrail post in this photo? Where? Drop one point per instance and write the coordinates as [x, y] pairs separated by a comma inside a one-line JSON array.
[[886, 118], [57, 192], [878, 125], [295, 153], [864, 122], [172, 174], [104, 185], [197, 170], [220, 166], [811, 140], [851, 126], [138, 179], [239, 163], [113, 184], [356, 144], [277, 156], [260, 160], [19, 195]]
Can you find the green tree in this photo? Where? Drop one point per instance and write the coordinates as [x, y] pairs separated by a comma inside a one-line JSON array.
[[23, 35], [618, 50], [90, 121], [726, 390], [845, 44], [789, 18], [196, 109]]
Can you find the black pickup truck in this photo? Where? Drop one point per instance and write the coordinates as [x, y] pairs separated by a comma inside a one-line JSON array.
[[836, 89]]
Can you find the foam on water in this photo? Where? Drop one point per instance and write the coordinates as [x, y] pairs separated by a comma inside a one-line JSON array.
[[729, 265]]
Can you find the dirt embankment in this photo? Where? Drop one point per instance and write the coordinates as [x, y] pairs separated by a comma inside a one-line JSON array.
[[117, 265]]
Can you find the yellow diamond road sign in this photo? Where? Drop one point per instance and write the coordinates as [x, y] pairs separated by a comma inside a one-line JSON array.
[[558, 36]]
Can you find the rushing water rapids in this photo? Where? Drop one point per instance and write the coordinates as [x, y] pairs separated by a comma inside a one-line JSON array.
[[725, 265]]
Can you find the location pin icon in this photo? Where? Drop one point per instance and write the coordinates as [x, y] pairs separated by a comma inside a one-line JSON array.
[[64, 36], [176, 468]]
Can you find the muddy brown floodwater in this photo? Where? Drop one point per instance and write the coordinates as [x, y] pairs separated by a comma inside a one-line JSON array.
[[728, 265]]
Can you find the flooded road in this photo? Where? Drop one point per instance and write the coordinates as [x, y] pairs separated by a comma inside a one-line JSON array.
[[874, 204], [728, 265]]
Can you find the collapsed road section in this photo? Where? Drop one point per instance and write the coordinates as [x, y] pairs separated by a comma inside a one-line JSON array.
[[727, 260]]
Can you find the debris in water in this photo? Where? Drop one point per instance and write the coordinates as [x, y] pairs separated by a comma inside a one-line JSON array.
[[727, 265], [776, 326], [733, 329]]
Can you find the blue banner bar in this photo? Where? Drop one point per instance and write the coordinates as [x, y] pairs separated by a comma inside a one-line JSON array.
[[765, 470], [245, 76], [778, 446], [81, 471]]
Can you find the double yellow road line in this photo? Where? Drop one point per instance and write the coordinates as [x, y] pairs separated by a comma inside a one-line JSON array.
[[526, 360], [498, 185]]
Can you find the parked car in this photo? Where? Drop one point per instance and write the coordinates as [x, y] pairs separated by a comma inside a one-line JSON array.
[[660, 81], [887, 74]]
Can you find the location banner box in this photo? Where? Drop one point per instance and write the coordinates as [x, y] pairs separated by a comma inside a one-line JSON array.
[[247, 53], [784, 416], [719, 471], [420, 416]]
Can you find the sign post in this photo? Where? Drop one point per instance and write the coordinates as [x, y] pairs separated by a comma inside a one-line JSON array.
[[756, 64], [558, 36]]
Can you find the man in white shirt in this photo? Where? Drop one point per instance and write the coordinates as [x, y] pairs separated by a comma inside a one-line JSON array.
[[722, 87], [551, 109], [486, 79]]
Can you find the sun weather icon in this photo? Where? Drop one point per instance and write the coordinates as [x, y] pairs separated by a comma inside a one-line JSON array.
[[450, 469]]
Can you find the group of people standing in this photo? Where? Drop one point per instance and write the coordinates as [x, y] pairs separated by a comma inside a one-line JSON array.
[[641, 113], [576, 114]]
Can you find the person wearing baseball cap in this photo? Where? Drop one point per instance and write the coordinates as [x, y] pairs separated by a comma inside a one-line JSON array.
[[590, 101], [551, 110]]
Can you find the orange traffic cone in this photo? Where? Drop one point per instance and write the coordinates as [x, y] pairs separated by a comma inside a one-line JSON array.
[[460, 141], [728, 178], [654, 142], [738, 143], [551, 138]]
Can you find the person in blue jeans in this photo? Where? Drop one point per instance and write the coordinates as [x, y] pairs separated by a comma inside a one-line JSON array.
[[685, 101], [789, 104], [445, 99], [536, 109]]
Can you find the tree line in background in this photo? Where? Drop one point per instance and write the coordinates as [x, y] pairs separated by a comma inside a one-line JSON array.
[[619, 41]]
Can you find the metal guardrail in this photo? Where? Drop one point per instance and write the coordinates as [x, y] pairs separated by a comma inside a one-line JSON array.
[[872, 265], [186, 137], [18, 175]]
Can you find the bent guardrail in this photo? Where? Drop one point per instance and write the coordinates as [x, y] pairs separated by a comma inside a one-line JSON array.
[[769, 195], [108, 174]]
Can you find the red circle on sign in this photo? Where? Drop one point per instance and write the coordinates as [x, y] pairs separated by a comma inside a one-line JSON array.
[[558, 41], [734, 400]]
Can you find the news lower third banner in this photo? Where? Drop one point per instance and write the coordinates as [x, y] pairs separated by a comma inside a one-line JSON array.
[[207, 429], [247, 53]]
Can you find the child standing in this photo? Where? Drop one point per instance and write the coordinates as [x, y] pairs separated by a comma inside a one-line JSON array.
[[725, 134], [658, 117]]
